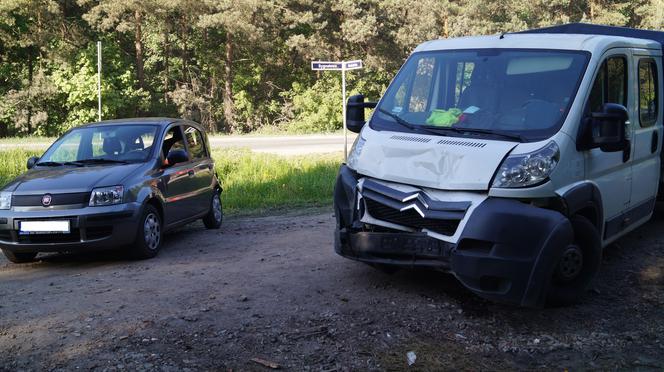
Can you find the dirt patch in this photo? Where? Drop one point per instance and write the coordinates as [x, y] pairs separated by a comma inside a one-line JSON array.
[[272, 288]]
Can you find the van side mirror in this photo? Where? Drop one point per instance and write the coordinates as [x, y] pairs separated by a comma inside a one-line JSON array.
[[177, 156], [355, 112], [608, 127], [32, 161]]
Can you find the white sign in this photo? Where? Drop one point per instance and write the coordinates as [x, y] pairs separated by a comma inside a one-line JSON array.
[[342, 66]]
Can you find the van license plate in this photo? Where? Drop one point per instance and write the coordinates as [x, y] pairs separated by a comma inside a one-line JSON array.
[[44, 227]]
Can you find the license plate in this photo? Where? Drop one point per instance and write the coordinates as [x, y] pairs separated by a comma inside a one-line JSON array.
[[44, 227]]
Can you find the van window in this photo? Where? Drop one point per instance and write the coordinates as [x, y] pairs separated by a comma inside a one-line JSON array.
[[519, 94], [195, 143], [610, 84], [648, 98]]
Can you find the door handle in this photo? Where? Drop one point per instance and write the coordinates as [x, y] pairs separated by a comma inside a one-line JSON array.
[[655, 142]]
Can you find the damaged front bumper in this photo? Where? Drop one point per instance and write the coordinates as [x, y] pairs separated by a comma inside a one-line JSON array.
[[504, 251]]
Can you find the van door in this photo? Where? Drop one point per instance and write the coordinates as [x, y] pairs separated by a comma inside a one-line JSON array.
[[611, 171], [646, 136]]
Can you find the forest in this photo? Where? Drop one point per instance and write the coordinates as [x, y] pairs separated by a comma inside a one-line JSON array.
[[239, 66]]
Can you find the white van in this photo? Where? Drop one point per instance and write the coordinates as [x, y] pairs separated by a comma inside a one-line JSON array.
[[510, 161]]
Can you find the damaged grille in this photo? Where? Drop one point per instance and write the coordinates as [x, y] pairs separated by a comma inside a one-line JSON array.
[[414, 210]]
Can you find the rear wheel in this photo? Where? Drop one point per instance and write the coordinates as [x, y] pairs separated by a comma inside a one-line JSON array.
[[149, 235], [578, 264], [19, 257], [215, 215]]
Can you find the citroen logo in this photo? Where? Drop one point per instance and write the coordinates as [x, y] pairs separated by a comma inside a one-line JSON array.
[[46, 200]]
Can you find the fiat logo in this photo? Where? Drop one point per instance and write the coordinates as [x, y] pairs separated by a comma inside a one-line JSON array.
[[46, 200]]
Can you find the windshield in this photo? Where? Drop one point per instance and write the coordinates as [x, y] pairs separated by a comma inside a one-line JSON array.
[[100, 144], [521, 95]]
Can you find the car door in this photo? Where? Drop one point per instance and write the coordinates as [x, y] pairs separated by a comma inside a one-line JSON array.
[[647, 134], [175, 180], [202, 167], [611, 171]]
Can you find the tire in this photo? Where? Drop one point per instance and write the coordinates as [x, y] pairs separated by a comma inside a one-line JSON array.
[[573, 272], [19, 257], [215, 215], [149, 235]]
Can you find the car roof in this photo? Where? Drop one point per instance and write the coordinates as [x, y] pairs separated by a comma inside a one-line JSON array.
[[160, 121]]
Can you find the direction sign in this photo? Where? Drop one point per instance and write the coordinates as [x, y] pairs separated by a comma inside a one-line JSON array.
[[353, 65], [342, 66], [325, 65]]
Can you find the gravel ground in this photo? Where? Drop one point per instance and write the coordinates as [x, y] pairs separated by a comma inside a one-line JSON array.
[[272, 288]]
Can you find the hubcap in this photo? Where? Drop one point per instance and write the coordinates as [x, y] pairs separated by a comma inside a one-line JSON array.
[[571, 263], [216, 208], [152, 231]]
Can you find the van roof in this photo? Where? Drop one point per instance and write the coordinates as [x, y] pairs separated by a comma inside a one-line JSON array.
[[573, 36], [591, 29]]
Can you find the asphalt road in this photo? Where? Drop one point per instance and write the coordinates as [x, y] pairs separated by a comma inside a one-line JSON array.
[[272, 288], [281, 145]]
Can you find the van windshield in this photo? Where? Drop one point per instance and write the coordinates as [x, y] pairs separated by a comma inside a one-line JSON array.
[[511, 94]]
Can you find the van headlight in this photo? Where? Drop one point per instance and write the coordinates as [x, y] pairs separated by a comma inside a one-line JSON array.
[[106, 196], [355, 151], [5, 200], [528, 169]]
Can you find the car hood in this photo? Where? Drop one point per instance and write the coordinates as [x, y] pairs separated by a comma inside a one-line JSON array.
[[446, 163], [69, 179]]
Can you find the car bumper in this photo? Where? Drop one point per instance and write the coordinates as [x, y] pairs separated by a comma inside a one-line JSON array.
[[91, 228], [506, 252]]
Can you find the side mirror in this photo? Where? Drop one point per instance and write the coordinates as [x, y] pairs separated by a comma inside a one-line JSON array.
[[608, 127], [32, 161], [355, 112], [177, 156]]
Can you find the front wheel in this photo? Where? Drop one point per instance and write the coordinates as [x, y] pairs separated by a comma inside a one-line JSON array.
[[578, 264], [149, 235], [19, 257], [215, 215]]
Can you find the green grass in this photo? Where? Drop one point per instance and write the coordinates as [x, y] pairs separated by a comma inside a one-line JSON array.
[[252, 182]]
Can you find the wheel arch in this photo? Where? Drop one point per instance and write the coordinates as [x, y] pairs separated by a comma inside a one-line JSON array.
[[585, 199]]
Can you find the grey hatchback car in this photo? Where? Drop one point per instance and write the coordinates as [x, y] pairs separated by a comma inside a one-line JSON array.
[[111, 185]]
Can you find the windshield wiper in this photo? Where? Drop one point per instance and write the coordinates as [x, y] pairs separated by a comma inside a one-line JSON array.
[[50, 163], [512, 136], [100, 161], [405, 123]]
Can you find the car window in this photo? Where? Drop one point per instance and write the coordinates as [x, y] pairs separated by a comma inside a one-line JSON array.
[[67, 150], [195, 143], [127, 143], [648, 98], [173, 140], [610, 84]]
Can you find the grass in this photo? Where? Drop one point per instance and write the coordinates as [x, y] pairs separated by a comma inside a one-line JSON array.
[[252, 182]]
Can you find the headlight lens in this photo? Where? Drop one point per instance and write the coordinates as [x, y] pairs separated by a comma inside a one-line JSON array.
[[528, 169], [355, 151], [106, 196], [5, 200]]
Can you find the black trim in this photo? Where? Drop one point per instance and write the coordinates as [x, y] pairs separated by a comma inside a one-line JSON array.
[[621, 222], [400, 197], [583, 196], [56, 199]]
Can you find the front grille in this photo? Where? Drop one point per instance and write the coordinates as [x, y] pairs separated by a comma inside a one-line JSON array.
[[56, 199], [98, 232], [410, 218], [73, 237]]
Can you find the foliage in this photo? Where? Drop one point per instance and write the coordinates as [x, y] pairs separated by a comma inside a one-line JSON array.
[[238, 65]]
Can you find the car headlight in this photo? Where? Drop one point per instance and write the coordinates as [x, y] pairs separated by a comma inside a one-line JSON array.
[[5, 200], [528, 169], [355, 151], [106, 196]]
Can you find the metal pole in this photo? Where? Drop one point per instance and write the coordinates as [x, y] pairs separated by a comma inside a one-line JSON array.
[[99, 79], [343, 95]]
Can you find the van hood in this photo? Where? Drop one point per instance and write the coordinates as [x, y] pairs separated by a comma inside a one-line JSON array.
[[69, 179], [446, 163]]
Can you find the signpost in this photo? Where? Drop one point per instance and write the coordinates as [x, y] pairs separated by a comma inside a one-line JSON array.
[[342, 66], [99, 80]]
